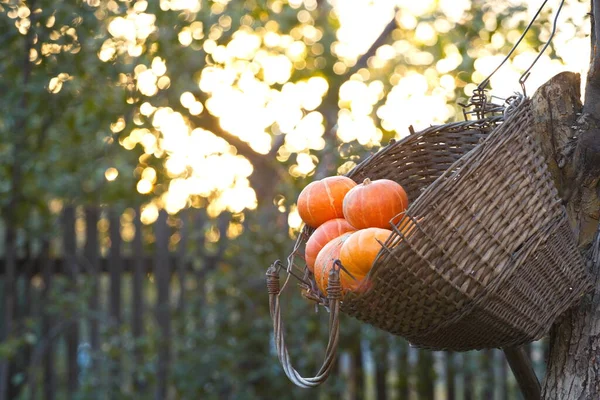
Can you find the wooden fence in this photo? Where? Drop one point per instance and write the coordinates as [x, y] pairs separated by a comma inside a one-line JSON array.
[[91, 246]]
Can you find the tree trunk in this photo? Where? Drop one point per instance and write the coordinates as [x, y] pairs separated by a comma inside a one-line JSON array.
[[571, 141]]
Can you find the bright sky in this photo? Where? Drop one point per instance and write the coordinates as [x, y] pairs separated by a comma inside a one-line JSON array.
[[243, 96]]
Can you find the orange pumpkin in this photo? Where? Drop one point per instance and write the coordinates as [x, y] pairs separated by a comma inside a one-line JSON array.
[[358, 253], [323, 235], [325, 259], [373, 204], [323, 200]]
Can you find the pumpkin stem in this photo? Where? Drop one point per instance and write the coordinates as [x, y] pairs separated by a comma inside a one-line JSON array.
[[367, 181]]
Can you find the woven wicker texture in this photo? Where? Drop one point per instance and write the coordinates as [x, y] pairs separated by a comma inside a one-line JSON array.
[[492, 261], [489, 260]]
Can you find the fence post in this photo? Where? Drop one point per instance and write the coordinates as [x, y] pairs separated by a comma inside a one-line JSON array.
[[404, 370], [487, 367], [26, 311], [9, 306], [92, 256], [71, 270], [115, 268], [468, 376], [382, 364], [181, 259], [450, 376], [425, 375], [162, 276], [358, 372], [137, 322], [48, 362]]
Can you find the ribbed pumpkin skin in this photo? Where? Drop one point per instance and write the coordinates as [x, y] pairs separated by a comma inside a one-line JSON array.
[[373, 204], [323, 235], [327, 256], [323, 200], [358, 253]]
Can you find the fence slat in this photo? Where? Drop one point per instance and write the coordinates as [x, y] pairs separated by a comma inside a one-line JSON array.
[[403, 370], [450, 376], [381, 381], [115, 271], [358, 370], [9, 306], [48, 360], [92, 258], [71, 268], [467, 376], [137, 320], [115, 267], [382, 364], [503, 378], [27, 292], [27, 311], [181, 260], [425, 375], [162, 277], [487, 370]]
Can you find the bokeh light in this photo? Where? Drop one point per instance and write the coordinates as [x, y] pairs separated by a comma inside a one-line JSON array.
[[264, 85]]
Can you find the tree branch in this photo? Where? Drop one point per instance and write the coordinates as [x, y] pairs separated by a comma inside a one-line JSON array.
[[522, 369], [266, 166], [329, 107]]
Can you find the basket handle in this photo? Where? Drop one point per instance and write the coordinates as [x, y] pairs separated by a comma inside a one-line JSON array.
[[334, 296]]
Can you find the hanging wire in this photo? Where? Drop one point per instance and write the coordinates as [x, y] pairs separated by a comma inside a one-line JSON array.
[[479, 105], [526, 74], [486, 81]]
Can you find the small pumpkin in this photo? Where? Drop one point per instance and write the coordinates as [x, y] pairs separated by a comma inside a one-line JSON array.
[[323, 200], [321, 236], [373, 204], [358, 253], [325, 260]]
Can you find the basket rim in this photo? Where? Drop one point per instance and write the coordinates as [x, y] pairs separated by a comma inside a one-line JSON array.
[[458, 126]]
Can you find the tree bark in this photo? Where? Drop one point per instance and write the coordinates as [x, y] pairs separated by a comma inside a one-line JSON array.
[[571, 142]]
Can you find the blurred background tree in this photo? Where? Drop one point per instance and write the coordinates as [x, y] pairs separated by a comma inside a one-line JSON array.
[[227, 109]]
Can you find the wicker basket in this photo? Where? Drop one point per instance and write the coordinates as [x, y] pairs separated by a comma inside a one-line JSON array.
[[491, 261]]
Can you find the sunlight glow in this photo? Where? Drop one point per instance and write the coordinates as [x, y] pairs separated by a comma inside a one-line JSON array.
[[294, 220], [129, 33], [263, 84], [111, 174], [144, 186], [149, 213]]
